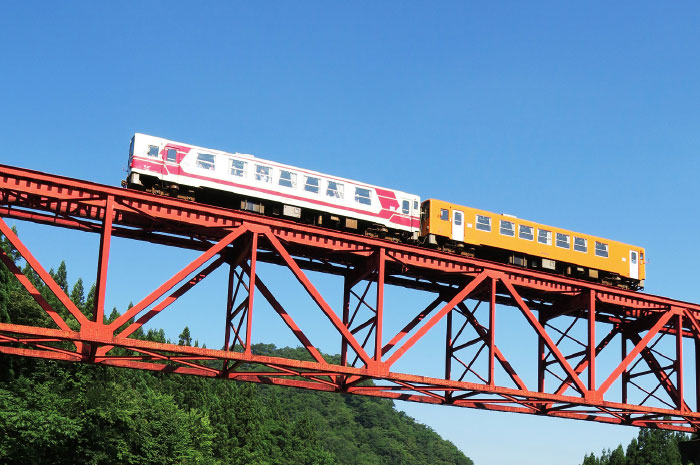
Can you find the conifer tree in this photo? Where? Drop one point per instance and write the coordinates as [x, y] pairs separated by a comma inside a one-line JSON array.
[[184, 339], [61, 276], [77, 295]]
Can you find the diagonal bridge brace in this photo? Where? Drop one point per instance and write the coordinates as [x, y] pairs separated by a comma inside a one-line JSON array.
[[484, 335], [539, 329], [169, 284], [459, 297], [177, 277], [288, 320], [639, 347], [43, 275], [316, 296]]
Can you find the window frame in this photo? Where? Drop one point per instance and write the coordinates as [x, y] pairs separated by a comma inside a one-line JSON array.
[[520, 232], [339, 190], [205, 164], [148, 152], [307, 185], [585, 244], [481, 226], [598, 249], [444, 214], [361, 199], [292, 179], [258, 175], [174, 159], [568, 240], [548, 239], [233, 170], [458, 218], [512, 228]]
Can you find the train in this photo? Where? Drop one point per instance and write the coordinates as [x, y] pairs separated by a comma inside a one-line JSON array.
[[246, 182]]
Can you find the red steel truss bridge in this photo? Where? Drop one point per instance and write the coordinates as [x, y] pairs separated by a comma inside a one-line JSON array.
[[572, 324]]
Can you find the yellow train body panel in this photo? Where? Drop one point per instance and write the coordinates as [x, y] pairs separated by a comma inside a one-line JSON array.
[[583, 249]]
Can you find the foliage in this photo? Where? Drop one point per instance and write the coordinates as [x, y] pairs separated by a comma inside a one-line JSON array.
[[55, 412], [650, 447]]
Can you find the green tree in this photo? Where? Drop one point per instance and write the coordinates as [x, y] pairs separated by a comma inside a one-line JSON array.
[[145, 427], [591, 460], [89, 305], [650, 447], [654, 447], [184, 339], [61, 276], [77, 295], [617, 457], [35, 419]]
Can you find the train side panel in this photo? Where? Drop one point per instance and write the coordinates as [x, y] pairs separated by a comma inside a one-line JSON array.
[[483, 228], [173, 163]]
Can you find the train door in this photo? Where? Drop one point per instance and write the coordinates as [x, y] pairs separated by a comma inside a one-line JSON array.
[[415, 213], [171, 166], [458, 225], [634, 264]]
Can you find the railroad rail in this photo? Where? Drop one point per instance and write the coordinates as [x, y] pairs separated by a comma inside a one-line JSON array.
[[467, 294]]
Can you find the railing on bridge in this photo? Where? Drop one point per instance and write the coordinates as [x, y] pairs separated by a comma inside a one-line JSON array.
[[569, 383]]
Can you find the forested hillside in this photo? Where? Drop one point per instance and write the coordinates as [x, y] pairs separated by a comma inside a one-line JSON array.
[[64, 413]]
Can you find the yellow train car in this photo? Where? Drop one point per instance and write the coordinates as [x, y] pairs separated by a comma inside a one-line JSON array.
[[508, 239]]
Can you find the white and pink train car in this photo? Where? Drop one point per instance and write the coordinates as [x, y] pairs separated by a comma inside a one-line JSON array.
[[161, 165]]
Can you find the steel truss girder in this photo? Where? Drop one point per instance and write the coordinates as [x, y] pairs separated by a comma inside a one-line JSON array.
[[478, 374]]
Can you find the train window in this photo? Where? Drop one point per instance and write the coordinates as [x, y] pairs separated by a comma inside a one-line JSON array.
[[239, 168], [415, 205], [526, 232], [206, 161], [601, 249], [444, 215], [405, 207], [287, 178], [334, 189], [544, 237], [362, 196], [171, 155], [507, 228], [483, 223], [580, 244], [311, 184], [152, 150], [563, 240], [263, 173], [458, 218]]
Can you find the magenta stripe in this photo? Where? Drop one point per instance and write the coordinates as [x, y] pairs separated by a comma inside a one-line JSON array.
[[393, 217]]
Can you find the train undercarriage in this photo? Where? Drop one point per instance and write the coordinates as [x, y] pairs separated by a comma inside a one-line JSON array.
[[534, 262], [268, 208]]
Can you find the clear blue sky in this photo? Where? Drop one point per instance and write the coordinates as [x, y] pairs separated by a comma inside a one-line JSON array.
[[583, 116]]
